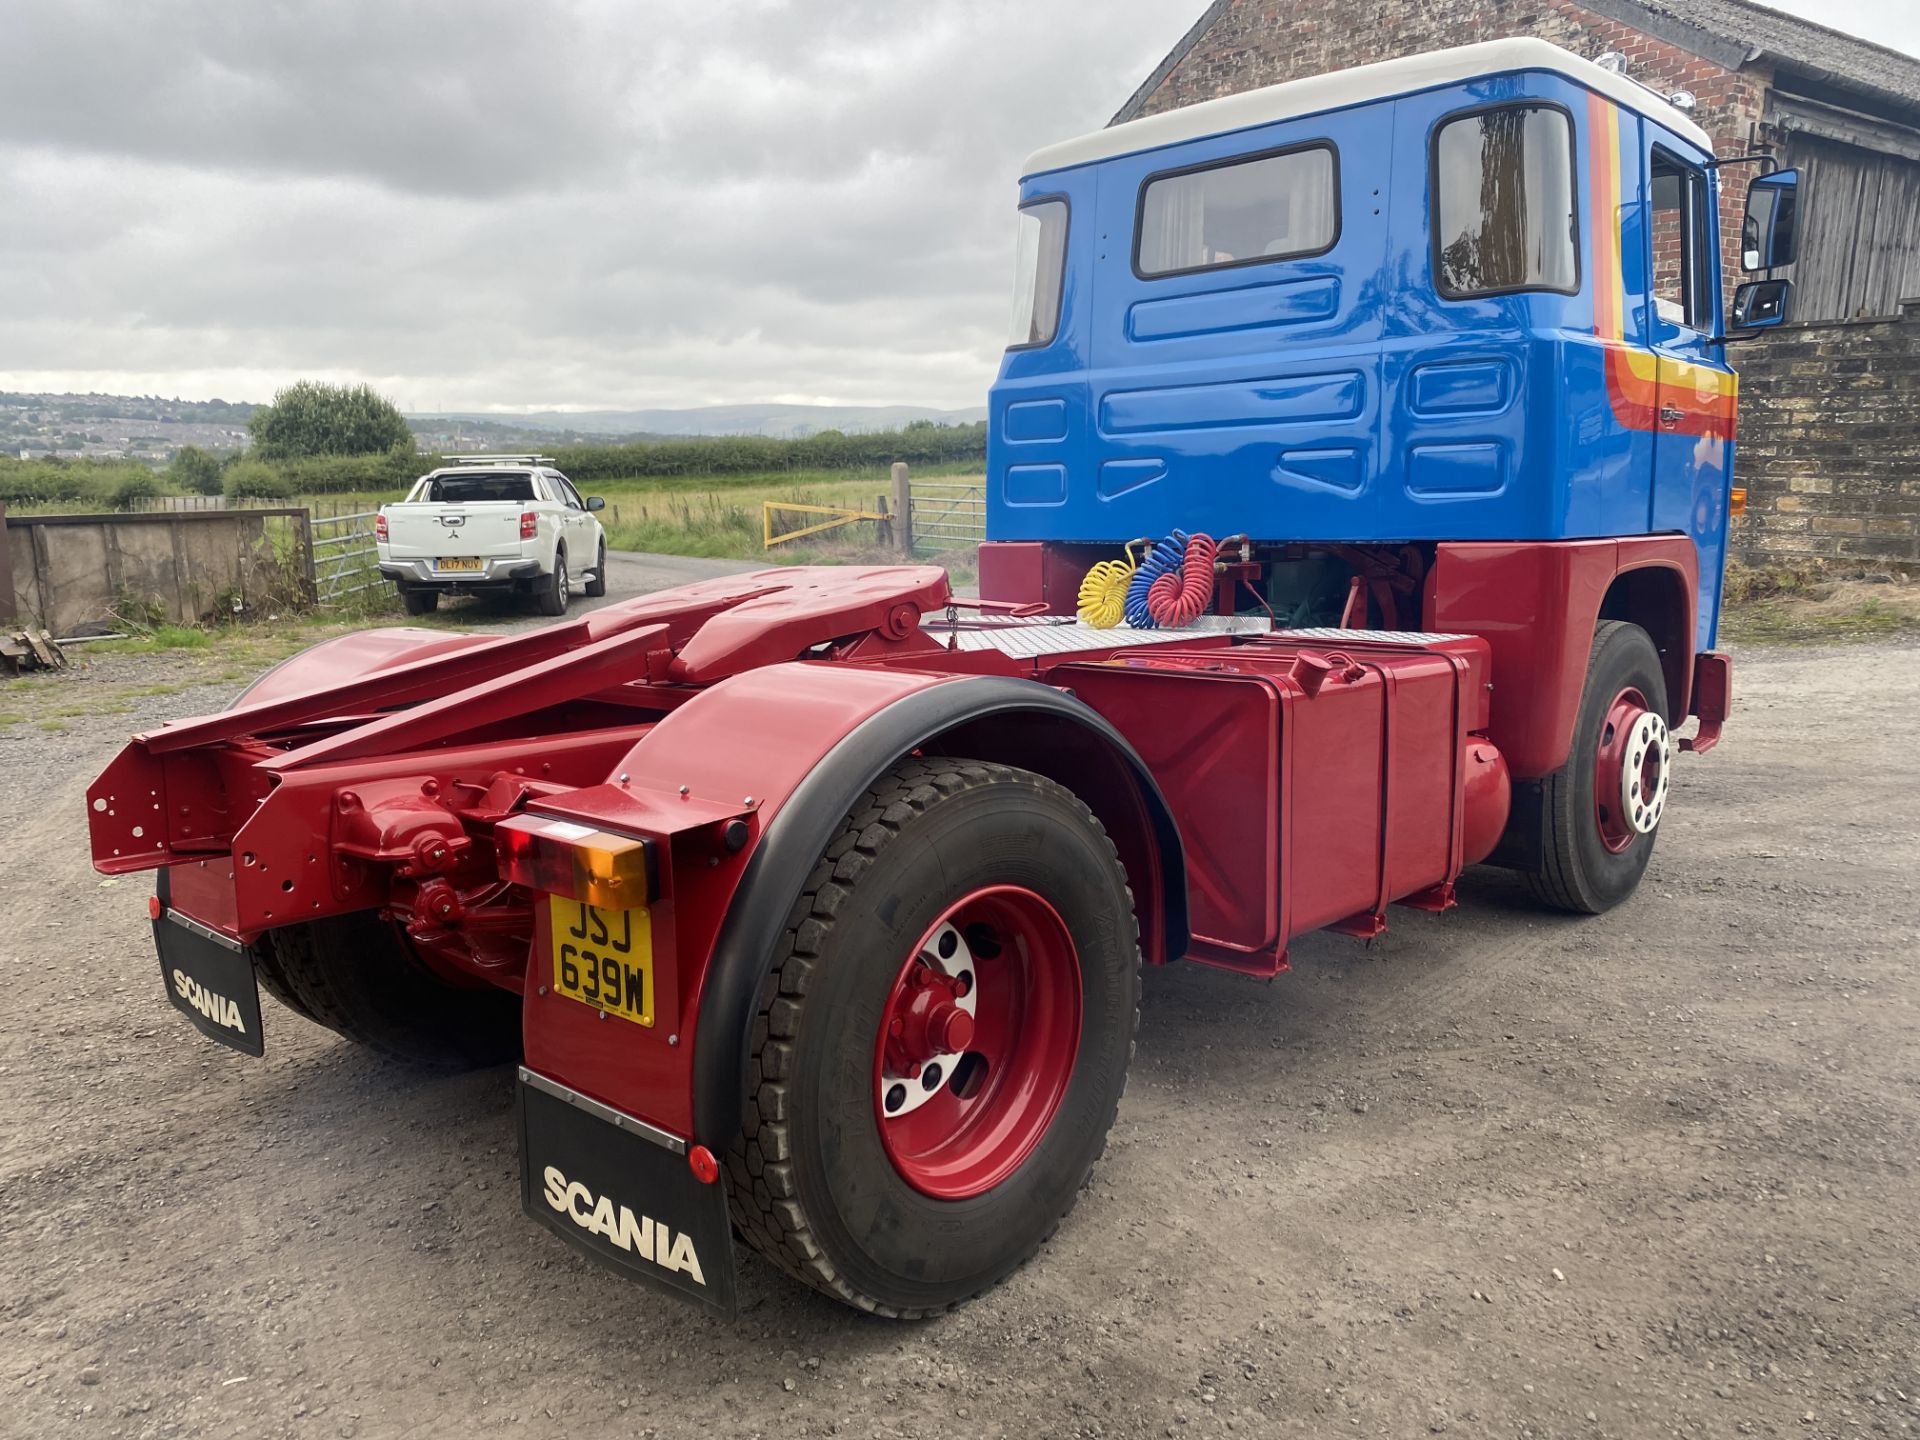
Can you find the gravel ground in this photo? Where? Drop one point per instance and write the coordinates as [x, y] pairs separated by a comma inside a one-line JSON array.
[[1500, 1173]]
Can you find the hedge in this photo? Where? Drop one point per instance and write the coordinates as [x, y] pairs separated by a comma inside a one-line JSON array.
[[59, 481]]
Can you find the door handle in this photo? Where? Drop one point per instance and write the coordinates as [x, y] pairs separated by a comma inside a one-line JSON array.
[[1671, 415]]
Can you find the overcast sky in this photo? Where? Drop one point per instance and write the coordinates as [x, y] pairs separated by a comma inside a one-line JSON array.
[[479, 204]]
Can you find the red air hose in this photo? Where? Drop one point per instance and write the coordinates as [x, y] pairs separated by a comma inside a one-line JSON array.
[[1181, 597]]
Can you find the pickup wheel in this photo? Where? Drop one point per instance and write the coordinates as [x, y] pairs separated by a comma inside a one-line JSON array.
[[551, 596], [1604, 805], [943, 1043], [357, 975], [420, 602], [597, 584]]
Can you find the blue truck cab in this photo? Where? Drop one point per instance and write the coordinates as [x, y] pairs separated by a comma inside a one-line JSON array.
[[1472, 295]]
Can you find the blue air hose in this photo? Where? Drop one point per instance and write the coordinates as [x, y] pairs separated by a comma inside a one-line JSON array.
[[1163, 559]]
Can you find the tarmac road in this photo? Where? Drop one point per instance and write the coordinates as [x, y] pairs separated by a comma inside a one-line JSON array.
[[1501, 1173]]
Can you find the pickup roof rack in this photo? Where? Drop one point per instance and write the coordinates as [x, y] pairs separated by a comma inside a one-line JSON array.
[[500, 460]]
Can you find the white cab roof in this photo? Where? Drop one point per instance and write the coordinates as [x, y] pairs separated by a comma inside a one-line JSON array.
[[1379, 81]]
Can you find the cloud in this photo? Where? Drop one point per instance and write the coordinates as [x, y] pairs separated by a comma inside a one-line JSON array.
[[486, 203], [476, 203]]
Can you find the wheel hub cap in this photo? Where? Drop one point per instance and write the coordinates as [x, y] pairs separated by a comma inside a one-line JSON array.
[[930, 1024], [1632, 770], [977, 1042]]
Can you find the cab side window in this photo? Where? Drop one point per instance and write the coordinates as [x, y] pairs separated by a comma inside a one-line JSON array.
[[1039, 273], [1679, 239], [1503, 202], [1278, 206]]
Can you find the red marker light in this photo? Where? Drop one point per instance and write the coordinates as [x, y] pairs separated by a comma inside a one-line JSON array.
[[705, 1168], [154, 907]]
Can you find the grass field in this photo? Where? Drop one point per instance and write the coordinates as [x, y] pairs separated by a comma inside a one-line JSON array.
[[717, 515]]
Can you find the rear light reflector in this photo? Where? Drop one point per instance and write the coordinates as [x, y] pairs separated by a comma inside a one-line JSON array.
[[559, 857], [1737, 500], [379, 527], [529, 524]]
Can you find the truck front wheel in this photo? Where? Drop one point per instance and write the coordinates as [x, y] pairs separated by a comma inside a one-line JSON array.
[[942, 1046], [1603, 807]]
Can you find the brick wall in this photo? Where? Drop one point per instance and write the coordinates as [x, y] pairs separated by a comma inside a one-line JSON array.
[[1262, 42], [1829, 443]]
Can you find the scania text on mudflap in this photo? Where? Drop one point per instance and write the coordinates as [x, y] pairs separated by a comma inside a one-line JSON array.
[[1350, 524]]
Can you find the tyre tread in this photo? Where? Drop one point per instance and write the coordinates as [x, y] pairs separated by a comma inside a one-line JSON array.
[[337, 974]]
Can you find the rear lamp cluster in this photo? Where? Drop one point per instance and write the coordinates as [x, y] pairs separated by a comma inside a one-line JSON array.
[[529, 524], [559, 857], [379, 527]]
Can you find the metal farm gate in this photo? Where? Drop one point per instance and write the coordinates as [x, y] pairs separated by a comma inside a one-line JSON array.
[[949, 514], [344, 557]]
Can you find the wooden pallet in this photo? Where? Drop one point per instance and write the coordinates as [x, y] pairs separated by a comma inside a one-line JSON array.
[[29, 649]]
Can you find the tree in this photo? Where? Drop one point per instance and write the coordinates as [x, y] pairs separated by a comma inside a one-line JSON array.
[[313, 418], [195, 471]]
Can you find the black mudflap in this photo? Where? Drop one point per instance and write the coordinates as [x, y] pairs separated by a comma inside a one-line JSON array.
[[620, 1190], [209, 979]]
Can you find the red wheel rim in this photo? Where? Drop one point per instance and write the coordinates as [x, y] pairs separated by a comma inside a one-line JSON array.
[[1631, 761], [977, 1042]]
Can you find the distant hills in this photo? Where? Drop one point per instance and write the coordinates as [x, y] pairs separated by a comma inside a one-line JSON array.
[[150, 428], [785, 421]]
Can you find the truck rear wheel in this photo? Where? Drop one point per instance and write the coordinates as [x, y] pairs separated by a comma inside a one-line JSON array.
[[356, 974], [420, 602], [942, 1047], [1603, 807]]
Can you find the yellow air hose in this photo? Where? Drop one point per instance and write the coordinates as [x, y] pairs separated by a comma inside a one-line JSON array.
[[1103, 594]]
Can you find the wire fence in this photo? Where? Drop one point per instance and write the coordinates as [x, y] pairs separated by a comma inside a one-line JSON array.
[[948, 514]]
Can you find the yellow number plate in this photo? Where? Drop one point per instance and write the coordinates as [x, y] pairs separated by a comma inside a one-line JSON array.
[[460, 562], [603, 958]]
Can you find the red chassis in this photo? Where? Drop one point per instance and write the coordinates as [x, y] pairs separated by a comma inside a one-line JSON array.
[[725, 751]]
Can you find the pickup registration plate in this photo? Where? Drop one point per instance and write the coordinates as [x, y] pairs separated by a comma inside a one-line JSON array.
[[466, 564], [603, 958]]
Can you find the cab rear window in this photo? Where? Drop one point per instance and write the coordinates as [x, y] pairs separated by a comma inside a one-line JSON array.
[[1503, 216], [476, 489]]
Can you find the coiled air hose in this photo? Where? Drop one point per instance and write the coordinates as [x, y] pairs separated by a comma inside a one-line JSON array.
[[1103, 594], [1180, 597], [1163, 559]]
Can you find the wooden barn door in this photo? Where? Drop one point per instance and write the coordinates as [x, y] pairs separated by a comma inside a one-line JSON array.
[[1859, 229]]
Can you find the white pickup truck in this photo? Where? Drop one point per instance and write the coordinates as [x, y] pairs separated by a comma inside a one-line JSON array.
[[493, 523]]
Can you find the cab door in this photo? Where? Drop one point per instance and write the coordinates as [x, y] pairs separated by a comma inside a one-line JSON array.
[[1694, 398]]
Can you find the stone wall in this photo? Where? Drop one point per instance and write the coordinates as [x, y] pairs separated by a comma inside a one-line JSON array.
[[1829, 443], [72, 570]]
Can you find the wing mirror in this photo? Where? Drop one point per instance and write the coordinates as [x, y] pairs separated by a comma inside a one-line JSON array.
[[1767, 235], [1761, 304], [594, 502]]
